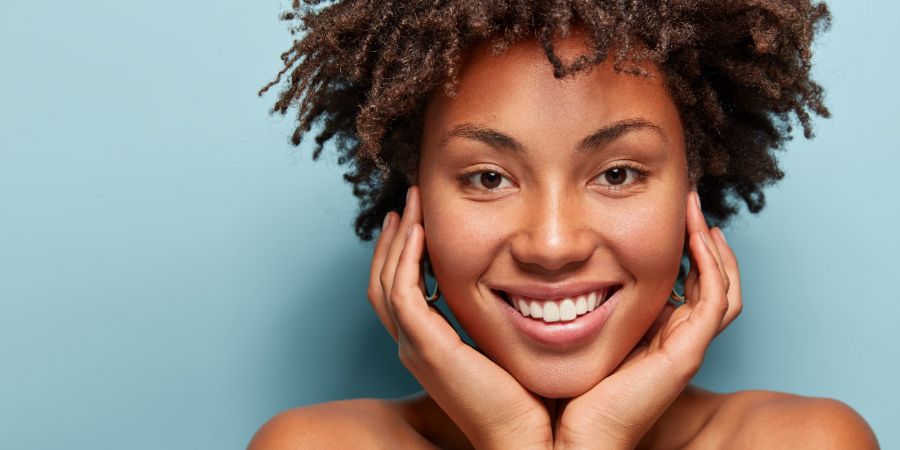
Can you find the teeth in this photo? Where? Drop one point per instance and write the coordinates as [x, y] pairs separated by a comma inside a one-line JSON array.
[[523, 307], [562, 310], [581, 305], [567, 310], [536, 310], [551, 312]]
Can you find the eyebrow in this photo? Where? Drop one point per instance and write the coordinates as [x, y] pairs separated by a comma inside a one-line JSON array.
[[484, 134], [616, 130], [595, 140]]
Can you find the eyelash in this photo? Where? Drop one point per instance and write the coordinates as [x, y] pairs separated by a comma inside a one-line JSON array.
[[466, 176], [640, 172]]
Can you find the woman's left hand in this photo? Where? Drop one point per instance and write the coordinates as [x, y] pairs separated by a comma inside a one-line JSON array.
[[618, 411]]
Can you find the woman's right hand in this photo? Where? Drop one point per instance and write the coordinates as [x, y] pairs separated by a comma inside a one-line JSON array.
[[483, 399]]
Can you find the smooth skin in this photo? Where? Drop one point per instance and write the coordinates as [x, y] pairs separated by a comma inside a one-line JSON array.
[[494, 410], [556, 216]]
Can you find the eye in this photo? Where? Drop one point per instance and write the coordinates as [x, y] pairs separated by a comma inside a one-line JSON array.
[[619, 176], [487, 179]]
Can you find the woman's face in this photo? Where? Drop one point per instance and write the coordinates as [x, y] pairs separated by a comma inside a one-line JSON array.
[[547, 192]]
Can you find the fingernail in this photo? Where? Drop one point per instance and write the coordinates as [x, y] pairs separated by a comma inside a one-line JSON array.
[[697, 198], [408, 194], [409, 230], [387, 220]]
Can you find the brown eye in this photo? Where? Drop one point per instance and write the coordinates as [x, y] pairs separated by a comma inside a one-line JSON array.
[[491, 180], [488, 180], [618, 176], [615, 176]]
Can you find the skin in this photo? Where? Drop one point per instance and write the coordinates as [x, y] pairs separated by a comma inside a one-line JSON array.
[[556, 218]]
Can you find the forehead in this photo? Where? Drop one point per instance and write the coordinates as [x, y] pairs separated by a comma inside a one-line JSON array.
[[517, 92]]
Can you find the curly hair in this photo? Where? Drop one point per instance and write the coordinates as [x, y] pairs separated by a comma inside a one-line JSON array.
[[361, 72]]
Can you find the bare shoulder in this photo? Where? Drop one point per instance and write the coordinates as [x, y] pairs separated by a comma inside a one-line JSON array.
[[765, 419], [358, 423]]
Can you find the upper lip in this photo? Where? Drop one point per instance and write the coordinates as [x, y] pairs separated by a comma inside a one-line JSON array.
[[553, 291]]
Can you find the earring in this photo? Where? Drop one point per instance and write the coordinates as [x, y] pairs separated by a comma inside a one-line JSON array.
[[434, 296], [676, 299]]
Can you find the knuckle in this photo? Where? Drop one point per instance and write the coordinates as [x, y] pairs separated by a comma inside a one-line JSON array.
[[399, 304], [374, 293], [396, 301], [722, 305], [385, 278], [737, 308]]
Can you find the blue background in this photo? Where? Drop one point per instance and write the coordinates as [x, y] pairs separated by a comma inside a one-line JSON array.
[[173, 273]]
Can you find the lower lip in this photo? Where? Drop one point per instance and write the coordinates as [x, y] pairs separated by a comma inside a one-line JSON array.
[[563, 334]]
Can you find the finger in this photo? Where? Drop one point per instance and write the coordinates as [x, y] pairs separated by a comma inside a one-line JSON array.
[[407, 300], [709, 303], [711, 239], [696, 222], [690, 283], [430, 348], [733, 289], [410, 214], [691, 279], [375, 292]]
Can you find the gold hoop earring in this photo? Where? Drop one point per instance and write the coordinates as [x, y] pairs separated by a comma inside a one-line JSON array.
[[676, 299], [435, 295]]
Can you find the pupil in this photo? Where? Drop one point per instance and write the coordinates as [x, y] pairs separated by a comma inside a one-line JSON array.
[[615, 176], [490, 180]]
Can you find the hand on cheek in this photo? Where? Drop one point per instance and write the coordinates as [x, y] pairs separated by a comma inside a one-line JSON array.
[[725, 261], [621, 408], [484, 400], [492, 408]]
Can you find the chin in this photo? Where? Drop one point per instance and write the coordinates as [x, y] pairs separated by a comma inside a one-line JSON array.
[[558, 389], [560, 379]]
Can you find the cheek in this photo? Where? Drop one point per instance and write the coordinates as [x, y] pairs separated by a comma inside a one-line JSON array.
[[460, 240], [648, 242]]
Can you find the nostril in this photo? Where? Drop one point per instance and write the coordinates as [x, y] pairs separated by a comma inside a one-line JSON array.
[[553, 254]]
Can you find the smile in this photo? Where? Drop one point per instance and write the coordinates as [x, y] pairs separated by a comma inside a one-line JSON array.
[[559, 310]]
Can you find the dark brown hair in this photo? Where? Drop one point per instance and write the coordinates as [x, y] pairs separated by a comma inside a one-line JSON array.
[[361, 72]]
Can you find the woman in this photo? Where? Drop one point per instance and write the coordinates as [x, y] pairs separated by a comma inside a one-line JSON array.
[[547, 162]]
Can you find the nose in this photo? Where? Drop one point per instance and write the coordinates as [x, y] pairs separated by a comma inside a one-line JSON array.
[[555, 232]]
